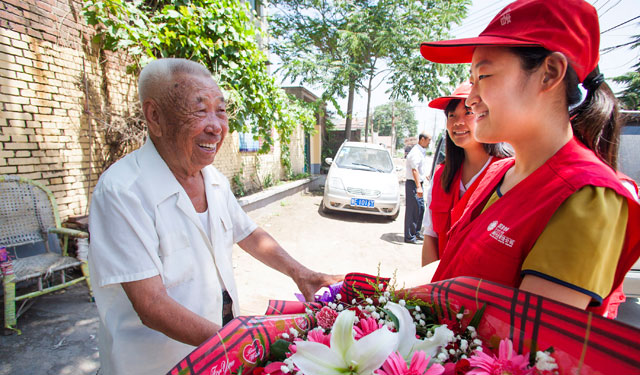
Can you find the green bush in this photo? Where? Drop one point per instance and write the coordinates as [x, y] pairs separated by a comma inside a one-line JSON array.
[[222, 35]]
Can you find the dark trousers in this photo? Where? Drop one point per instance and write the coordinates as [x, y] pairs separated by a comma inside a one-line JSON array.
[[227, 308], [414, 211]]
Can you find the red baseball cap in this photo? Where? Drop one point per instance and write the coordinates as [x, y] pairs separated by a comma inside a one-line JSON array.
[[461, 92], [567, 26]]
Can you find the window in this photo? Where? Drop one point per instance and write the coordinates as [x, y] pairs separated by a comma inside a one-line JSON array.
[[247, 143]]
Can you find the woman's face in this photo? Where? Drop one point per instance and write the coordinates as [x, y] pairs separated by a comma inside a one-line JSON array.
[[461, 126], [502, 96]]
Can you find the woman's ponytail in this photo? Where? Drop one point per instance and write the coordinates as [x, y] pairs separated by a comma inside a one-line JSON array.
[[596, 121]]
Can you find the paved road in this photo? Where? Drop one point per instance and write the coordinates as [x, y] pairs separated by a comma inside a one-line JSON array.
[[333, 243]]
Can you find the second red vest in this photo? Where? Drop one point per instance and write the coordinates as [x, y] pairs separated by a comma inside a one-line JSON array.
[[447, 208]]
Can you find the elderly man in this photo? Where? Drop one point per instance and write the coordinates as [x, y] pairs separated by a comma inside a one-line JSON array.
[[416, 173], [163, 222]]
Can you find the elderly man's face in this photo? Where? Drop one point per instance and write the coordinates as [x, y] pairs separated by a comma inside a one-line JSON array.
[[195, 122]]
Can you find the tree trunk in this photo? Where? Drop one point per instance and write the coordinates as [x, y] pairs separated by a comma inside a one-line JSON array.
[[347, 125], [366, 125]]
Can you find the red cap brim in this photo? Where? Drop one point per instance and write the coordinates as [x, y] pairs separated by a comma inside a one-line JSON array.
[[443, 102], [458, 51]]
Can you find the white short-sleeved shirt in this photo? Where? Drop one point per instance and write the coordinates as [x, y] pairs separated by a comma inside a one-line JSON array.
[[427, 224], [416, 160], [143, 224]]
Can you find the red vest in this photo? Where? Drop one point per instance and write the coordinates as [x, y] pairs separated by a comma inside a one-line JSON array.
[[446, 208], [493, 244]]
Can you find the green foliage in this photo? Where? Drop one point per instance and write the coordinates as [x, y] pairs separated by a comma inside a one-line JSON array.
[[237, 185], [338, 44], [630, 96], [268, 181], [299, 176], [405, 120], [220, 34]]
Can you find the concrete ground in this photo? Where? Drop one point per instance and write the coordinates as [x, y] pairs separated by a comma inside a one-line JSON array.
[[59, 330]]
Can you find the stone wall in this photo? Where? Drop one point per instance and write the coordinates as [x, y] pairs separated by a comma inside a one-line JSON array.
[[61, 98]]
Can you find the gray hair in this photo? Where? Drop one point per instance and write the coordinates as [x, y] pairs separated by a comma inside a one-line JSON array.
[[158, 73]]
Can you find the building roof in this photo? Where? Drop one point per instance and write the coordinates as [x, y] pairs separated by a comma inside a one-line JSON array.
[[356, 123]]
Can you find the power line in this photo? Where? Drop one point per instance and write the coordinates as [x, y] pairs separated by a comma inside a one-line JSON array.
[[609, 49], [620, 24], [603, 5], [613, 6], [482, 17]]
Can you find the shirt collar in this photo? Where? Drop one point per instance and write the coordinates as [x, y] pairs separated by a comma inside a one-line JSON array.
[[156, 173]]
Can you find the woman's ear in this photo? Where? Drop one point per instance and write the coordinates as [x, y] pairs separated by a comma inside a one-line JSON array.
[[152, 115], [554, 69]]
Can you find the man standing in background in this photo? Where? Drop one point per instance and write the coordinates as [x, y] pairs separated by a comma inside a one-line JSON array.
[[416, 173]]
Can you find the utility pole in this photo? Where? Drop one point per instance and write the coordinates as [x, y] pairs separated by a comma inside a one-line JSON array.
[[393, 130]]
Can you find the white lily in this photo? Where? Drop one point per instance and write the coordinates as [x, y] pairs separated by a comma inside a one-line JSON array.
[[346, 355], [408, 343]]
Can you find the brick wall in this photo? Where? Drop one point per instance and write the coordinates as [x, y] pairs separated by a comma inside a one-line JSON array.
[[53, 91], [57, 92]]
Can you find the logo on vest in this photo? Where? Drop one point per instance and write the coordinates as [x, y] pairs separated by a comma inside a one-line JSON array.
[[492, 225], [498, 233]]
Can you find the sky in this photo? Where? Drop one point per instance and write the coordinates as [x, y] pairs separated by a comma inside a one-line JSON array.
[[614, 63]]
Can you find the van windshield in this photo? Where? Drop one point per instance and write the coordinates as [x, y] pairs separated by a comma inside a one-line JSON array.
[[365, 159]]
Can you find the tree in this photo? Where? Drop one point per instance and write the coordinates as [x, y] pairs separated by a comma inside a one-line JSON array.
[[630, 96], [399, 112], [339, 45], [220, 34]]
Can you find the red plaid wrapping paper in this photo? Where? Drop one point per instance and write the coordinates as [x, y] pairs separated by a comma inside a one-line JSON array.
[[583, 343]]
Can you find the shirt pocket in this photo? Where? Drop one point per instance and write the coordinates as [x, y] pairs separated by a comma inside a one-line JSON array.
[[227, 234], [178, 259]]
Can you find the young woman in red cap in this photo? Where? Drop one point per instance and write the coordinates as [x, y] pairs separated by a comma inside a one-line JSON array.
[[458, 176], [555, 220]]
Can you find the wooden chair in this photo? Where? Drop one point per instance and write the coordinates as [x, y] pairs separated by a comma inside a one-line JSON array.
[[28, 214]]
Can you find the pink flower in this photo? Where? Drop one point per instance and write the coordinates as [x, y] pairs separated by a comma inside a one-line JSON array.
[[395, 365], [505, 363], [274, 368], [365, 327], [326, 317], [317, 336]]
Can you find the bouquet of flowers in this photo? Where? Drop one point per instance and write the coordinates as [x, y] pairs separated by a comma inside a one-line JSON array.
[[458, 326]]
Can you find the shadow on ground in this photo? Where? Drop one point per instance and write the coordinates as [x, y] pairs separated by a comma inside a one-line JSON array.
[[59, 336], [394, 238]]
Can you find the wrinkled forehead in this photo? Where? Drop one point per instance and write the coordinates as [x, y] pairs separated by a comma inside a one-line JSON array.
[[193, 89]]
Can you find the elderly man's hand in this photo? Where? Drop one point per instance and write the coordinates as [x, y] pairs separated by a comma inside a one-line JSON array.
[[309, 282]]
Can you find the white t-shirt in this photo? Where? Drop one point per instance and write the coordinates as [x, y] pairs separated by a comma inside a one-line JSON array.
[[416, 159], [427, 224], [143, 224]]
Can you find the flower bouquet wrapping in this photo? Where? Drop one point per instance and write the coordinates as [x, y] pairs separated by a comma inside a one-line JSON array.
[[457, 326]]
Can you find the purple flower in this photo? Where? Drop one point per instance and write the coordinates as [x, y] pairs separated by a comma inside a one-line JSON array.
[[327, 296]]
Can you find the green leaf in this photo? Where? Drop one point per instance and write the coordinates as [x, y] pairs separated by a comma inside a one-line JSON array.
[[477, 316], [279, 350]]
